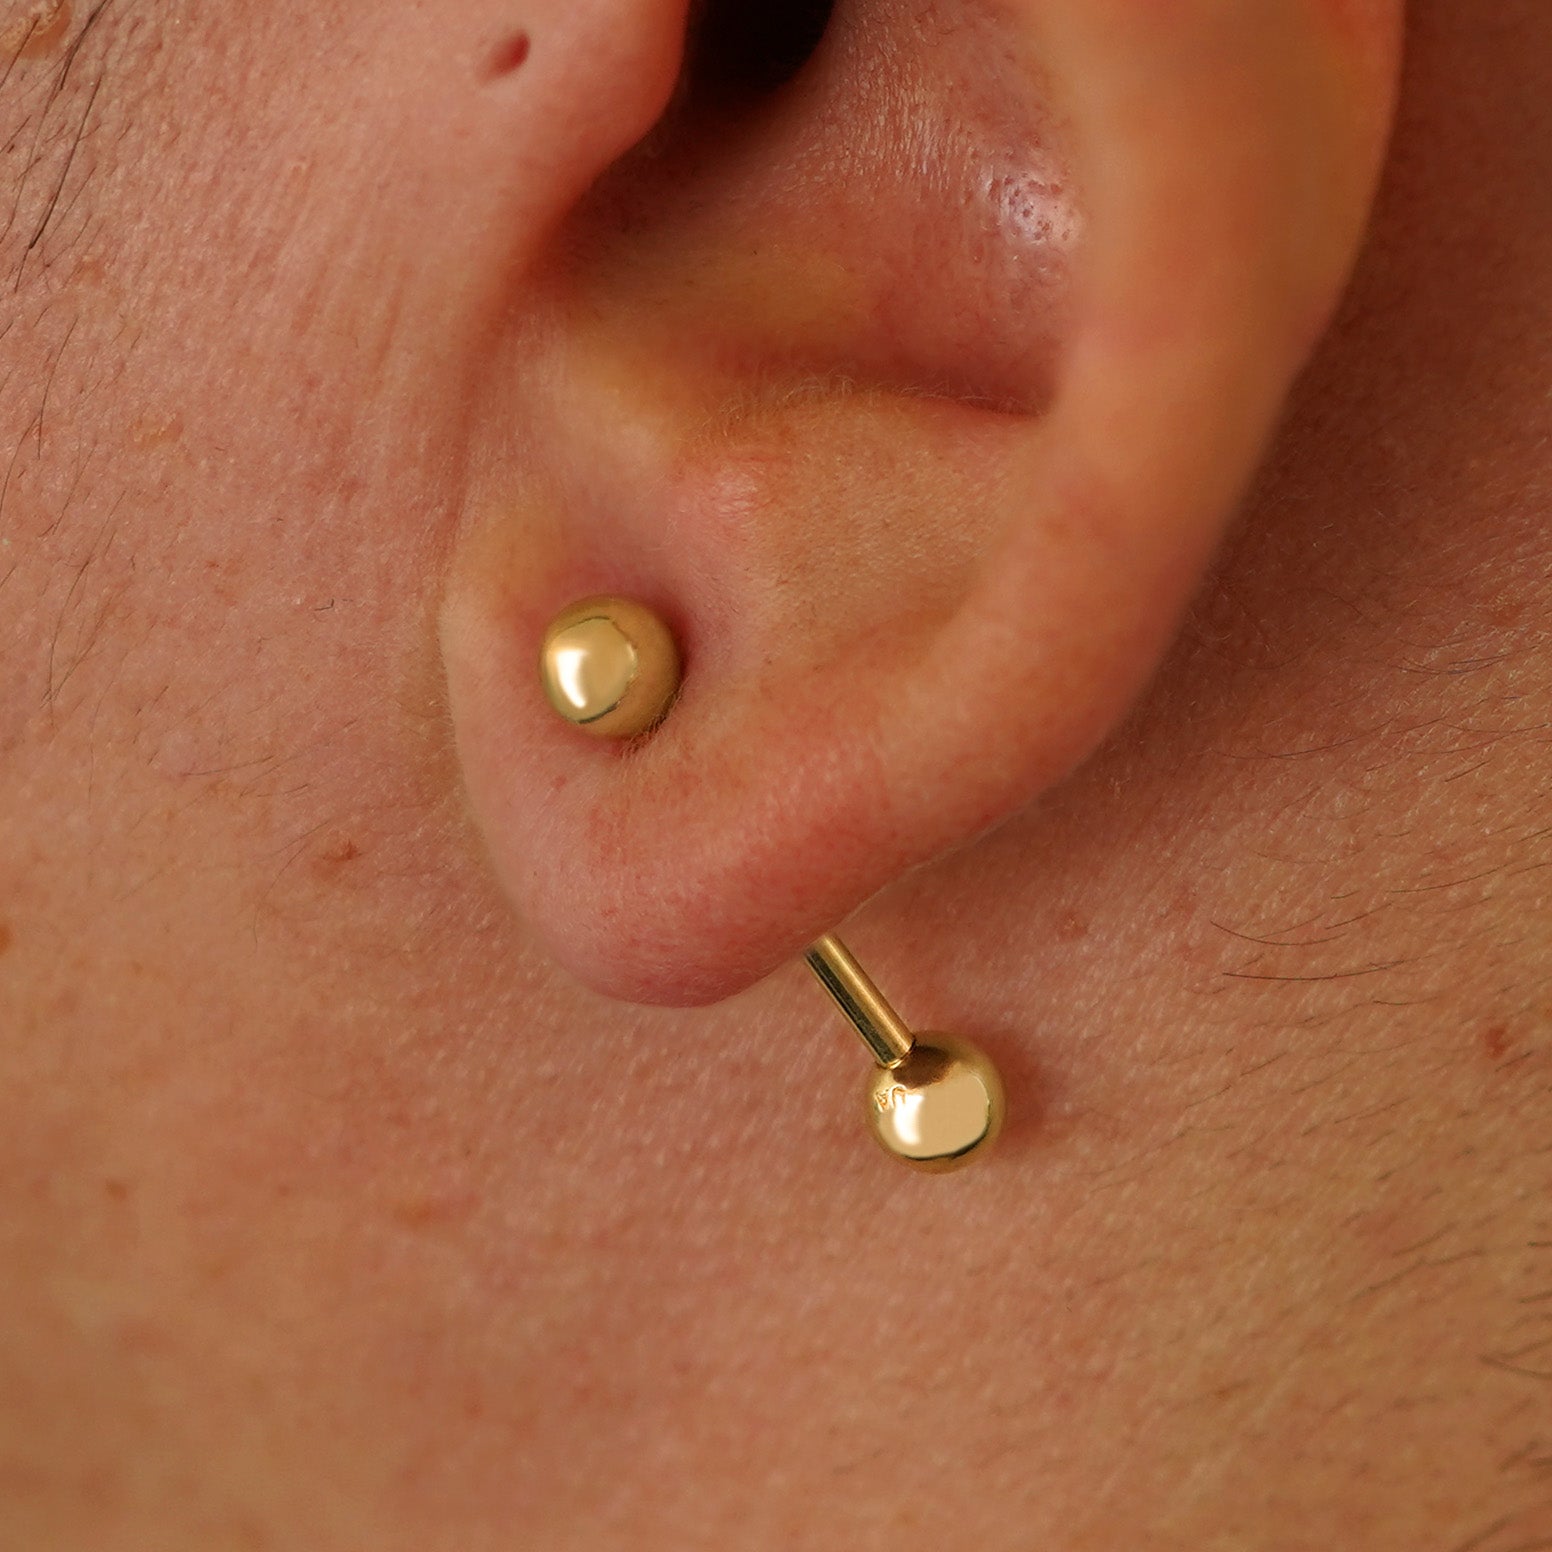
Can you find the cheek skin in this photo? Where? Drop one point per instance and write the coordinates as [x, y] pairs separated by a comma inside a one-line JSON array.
[[347, 1176], [40, 29]]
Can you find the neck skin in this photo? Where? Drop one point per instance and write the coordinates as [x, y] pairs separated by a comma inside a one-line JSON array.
[[437, 1246]]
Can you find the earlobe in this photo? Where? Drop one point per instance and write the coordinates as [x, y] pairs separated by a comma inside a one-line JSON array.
[[916, 575]]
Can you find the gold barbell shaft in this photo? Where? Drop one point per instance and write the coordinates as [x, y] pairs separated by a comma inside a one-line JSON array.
[[861, 1001]]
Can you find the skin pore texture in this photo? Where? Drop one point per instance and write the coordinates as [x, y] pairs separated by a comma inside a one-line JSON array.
[[340, 1208]]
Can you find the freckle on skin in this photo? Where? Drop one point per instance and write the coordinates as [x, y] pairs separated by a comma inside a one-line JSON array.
[[1071, 926], [337, 856], [34, 27], [6, 938], [431, 1212], [1495, 1040], [150, 431]]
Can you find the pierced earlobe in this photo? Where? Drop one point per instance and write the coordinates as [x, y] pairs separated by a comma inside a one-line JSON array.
[[610, 667]]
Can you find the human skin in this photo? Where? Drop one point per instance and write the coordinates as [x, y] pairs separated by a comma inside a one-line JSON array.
[[337, 1212]]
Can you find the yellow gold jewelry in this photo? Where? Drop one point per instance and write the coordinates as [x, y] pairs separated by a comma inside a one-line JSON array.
[[610, 666], [935, 1102]]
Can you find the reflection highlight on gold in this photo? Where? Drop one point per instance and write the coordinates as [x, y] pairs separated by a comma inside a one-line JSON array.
[[934, 1101], [610, 666]]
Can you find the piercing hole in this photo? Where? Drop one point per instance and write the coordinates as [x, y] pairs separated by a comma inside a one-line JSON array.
[[509, 55]]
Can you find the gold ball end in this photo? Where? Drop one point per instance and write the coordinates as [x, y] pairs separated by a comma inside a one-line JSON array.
[[610, 667], [940, 1108]]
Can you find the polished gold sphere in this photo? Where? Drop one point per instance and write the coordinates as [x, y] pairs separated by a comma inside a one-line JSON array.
[[610, 666], [939, 1108]]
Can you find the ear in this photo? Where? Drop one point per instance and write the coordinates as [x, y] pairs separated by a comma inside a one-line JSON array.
[[914, 391]]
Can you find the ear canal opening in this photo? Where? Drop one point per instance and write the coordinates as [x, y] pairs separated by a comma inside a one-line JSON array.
[[741, 49]]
